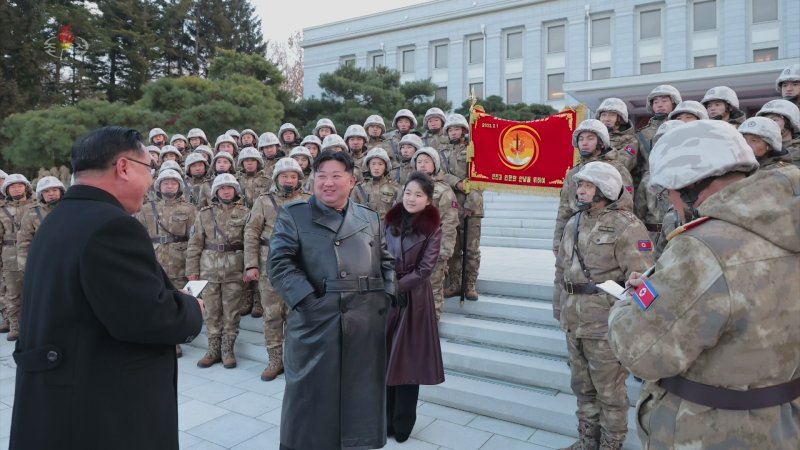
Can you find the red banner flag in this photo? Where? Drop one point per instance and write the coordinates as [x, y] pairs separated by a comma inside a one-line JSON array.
[[521, 156]]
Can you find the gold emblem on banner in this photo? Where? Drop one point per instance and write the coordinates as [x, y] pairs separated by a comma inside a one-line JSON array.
[[519, 147]]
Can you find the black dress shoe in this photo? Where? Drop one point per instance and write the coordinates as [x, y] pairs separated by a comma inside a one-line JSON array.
[[401, 437]]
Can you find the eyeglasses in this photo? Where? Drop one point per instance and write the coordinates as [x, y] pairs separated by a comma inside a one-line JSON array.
[[152, 164]]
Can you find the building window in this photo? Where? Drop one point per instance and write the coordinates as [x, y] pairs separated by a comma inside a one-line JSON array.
[[765, 54], [555, 86], [514, 91], [348, 61], [514, 45], [441, 93], [601, 74], [705, 15], [440, 56], [477, 88], [601, 32], [651, 67], [476, 51], [408, 61], [705, 62], [766, 11], [555, 39], [377, 60], [650, 24]]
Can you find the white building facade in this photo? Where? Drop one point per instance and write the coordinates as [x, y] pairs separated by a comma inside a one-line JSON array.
[[564, 52]]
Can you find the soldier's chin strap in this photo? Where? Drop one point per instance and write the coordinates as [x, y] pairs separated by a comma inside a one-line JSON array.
[[689, 196]]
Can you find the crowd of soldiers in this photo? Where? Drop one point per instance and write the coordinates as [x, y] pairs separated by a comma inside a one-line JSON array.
[[211, 210], [615, 218]]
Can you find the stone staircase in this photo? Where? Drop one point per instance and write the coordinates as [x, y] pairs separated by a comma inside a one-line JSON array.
[[518, 221]]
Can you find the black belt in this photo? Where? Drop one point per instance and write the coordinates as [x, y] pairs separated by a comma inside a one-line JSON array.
[[581, 288], [265, 242], [361, 285], [722, 398], [224, 247], [10, 242], [654, 227], [169, 239]]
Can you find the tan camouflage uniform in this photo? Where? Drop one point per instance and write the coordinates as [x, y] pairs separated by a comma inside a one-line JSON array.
[[650, 206], [793, 147], [645, 137], [31, 220], [726, 316], [253, 185], [445, 199], [402, 172], [438, 140], [358, 164], [11, 214], [625, 144], [612, 242], [168, 222], [668, 225], [379, 195], [194, 190]]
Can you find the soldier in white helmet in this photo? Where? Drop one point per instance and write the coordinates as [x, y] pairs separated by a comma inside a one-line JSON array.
[[661, 101], [206, 151], [787, 116], [591, 138], [377, 190], [197, 175], [722, 103], [613, 112], [427, 161], [180, 142], [454, 164], [235, 135], [603, 241], [713, 330], [404, 123], [763, 135], [287, 188], [168, 220], [155, 153], [17, 190], [409, 144], [223, 162], [334, 142], [376, 129], [269, 146], [158, 137], [324, 127], [197, 137], [216, 254], [226, 143], [356, 139], [303, 157], [249, 138], [49, 191], [435, 135], [171, 153], [313, 144], [788, 84], [689, 111], [289, 137]]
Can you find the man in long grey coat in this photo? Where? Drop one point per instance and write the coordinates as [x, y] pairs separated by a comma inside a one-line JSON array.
[[329, 262]]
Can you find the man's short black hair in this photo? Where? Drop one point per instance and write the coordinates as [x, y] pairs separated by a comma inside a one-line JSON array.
[[98, 148], [333, 155]]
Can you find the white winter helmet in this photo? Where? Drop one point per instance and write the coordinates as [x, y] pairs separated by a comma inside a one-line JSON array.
[[596, 127], [766, 129], [233, 133], [791, 73], [375, 120], [194, 157], [286, 164], [250, 153], [15, 178], [311, 139], [333, 140], [378, 152], [178, 137], [408, 115], [604, 176], [206, 150], [3, 175], [457, 120], [224, 179], [170, 149], [250, 132], [665, 127], [698, 150], [287, 127], [267, 139], [155, 132], [785, 108], [663, 90], [411, 139], [169, 174], [691, 107], [322, 123], [222, 138], [197, 133], [46, 183], [355, 130], [722, 93], [223, 155], [153, 149], [615, 105], [430, 151], [434, 112], [170, 165], [302, 151]]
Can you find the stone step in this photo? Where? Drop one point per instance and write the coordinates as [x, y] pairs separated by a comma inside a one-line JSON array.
[[549, 224], [518, 242], [554, 412], [541, 290], [505, 308], [510, 197], [549, 214], [513, 335], [519, 206], [528, 233]]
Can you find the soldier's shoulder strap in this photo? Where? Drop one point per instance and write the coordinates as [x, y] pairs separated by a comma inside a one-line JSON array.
[[363, 192], [691, 225], [272, 199]]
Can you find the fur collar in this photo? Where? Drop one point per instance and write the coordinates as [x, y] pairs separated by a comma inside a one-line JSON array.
[[424, 222]]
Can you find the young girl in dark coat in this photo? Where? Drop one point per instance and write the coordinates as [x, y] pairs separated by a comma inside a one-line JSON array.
[[413, 236]]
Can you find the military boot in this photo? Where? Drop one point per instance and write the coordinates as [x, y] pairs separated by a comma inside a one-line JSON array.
[[13, 328], [178, 351], [452, 291], [247, 303], [4, 327], [213, 355], [258, 310], [588, 437], [472, 293], [609, 443], [228, 358], [275, 366]]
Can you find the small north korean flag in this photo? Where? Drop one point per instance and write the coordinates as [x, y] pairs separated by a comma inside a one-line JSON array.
[[630, 150], [645, 246], [645, 295]]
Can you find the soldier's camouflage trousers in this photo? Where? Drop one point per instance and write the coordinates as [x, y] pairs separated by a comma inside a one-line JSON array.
[[223, 301], [275, 312], [11, 294], [473, 254], [437, 282], [598, 381]]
